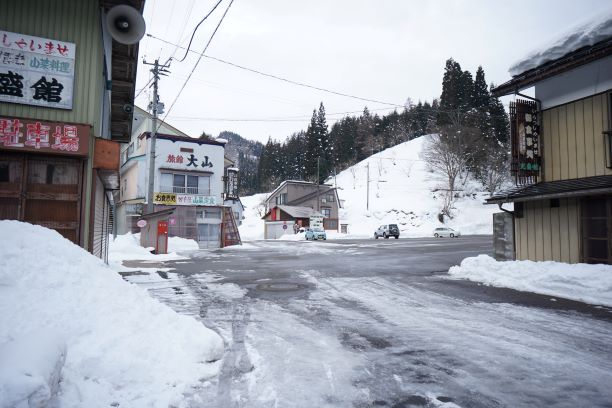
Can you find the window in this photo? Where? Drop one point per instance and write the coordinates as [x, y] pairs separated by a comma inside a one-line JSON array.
[[329, 198], [326, 212], [184, 184], [281, 199]]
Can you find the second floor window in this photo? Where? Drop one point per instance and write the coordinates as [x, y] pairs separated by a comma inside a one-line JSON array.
[[185, 184], [281, 199]]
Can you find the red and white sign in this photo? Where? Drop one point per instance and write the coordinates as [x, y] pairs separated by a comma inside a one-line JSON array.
[[141, 223], [50, 137]]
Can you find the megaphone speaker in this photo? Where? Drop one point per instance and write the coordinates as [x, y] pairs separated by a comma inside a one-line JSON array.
[[125, 24]]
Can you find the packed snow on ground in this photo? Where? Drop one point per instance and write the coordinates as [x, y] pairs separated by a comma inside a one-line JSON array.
[[583, 34], [123, 347], [127, 247], [402, 191], [586, 283], [252, 227]]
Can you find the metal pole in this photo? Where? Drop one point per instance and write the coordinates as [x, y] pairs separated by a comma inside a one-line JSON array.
[[150, 206], [318, 183], [368, 190]]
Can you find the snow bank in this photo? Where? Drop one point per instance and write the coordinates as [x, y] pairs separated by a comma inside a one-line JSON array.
[[123, 347], [586, 283], [252, 227], [127, 247], [30, 369], [581, 35]]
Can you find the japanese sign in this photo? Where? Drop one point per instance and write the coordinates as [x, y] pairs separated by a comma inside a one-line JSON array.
[[40, 136], [231, 184], [183, 199], [316, 221], [36, 71], [525, 135], [190, 160]]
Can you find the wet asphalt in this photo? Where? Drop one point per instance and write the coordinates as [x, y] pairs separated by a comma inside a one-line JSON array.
[[291, 292]]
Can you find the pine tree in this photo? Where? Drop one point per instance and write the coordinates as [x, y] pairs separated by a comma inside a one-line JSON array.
[[312, 148]]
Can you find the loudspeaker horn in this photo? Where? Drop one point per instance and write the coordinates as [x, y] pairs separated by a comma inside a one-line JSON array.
[[125, 24]]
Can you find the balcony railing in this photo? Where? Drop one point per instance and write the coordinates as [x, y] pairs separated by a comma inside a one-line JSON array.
[[185, 190]]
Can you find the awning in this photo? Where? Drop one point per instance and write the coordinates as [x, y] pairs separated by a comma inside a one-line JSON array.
[[555, 189]]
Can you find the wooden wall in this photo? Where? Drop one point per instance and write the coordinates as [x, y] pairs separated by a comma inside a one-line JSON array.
[[551, 234], [572, 139]]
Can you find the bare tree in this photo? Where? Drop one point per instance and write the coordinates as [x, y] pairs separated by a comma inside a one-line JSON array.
[[495, 172], [448, 154]]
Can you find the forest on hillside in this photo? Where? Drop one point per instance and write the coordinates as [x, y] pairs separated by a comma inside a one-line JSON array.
[[468, 119]]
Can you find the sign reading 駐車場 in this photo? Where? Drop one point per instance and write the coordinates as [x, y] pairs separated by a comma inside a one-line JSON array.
[[36, 71], [44, 136]]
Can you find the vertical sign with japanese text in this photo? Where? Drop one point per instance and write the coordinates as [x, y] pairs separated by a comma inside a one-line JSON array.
[[231, 183], [36, 71], [525, 138]]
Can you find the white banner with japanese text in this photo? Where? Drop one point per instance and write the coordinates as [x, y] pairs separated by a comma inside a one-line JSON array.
[[36, 71]]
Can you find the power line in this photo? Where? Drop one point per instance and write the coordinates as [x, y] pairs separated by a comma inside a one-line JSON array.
[[281, 78], [196, 29], [198, 61]]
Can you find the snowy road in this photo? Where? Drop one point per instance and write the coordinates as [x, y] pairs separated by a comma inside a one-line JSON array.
[[377, 323]]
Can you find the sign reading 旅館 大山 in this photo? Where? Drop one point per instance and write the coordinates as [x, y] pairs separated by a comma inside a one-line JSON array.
[[36, 71]]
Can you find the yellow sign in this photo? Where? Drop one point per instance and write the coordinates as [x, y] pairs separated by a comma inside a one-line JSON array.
[[164, 198]]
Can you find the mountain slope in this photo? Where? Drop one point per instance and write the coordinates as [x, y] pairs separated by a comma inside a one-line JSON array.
[[402, 191]]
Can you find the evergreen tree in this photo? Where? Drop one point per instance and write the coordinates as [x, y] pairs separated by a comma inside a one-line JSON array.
[[312, 148]]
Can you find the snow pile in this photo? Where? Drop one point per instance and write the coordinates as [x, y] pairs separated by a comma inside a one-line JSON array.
[[586, 283], [30, 368], [582, 35], [403, 192], [252, 227], [123, 348], [127, 246]]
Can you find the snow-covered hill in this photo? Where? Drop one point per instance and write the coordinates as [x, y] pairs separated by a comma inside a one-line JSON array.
[[401, 191]]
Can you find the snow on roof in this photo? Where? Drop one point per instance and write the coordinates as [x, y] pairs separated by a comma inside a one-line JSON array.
[[221, 140], [581, 35]]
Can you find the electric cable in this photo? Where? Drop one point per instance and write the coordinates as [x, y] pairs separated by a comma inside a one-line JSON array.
[[196, 29], [198, 61], [279, 78]]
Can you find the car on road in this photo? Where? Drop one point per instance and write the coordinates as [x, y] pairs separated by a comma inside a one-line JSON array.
[[446, 232], [386, 231], [313, 234]]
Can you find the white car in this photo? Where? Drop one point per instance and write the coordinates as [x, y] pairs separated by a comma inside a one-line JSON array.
[[446, 232]]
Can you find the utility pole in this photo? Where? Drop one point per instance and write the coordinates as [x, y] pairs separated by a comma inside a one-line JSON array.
[[157, 109], [318, 183], [368, 190]]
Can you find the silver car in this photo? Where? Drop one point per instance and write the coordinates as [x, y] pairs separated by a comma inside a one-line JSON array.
[[446, 232]]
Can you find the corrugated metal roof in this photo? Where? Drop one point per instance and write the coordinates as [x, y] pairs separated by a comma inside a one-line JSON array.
[[555, 189]]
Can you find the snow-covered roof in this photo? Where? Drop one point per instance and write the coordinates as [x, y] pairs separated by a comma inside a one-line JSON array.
[[297, 212], [582, 35]]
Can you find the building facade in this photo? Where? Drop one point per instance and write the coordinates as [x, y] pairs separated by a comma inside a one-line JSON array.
[[189, 177], [562, 157], [321, 198], [64, 82]]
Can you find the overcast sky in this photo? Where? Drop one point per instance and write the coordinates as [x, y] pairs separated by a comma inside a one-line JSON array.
[[384, 50]]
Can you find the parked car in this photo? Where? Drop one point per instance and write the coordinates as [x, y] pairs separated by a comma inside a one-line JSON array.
[[386, 231], [446, 232], [313, 234]]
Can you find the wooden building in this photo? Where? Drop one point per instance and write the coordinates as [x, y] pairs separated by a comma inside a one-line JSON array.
[[322, 198], [562, 153], [66, 96]]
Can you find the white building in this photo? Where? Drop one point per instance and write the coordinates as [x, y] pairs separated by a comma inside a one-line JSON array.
[[189, 176]]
